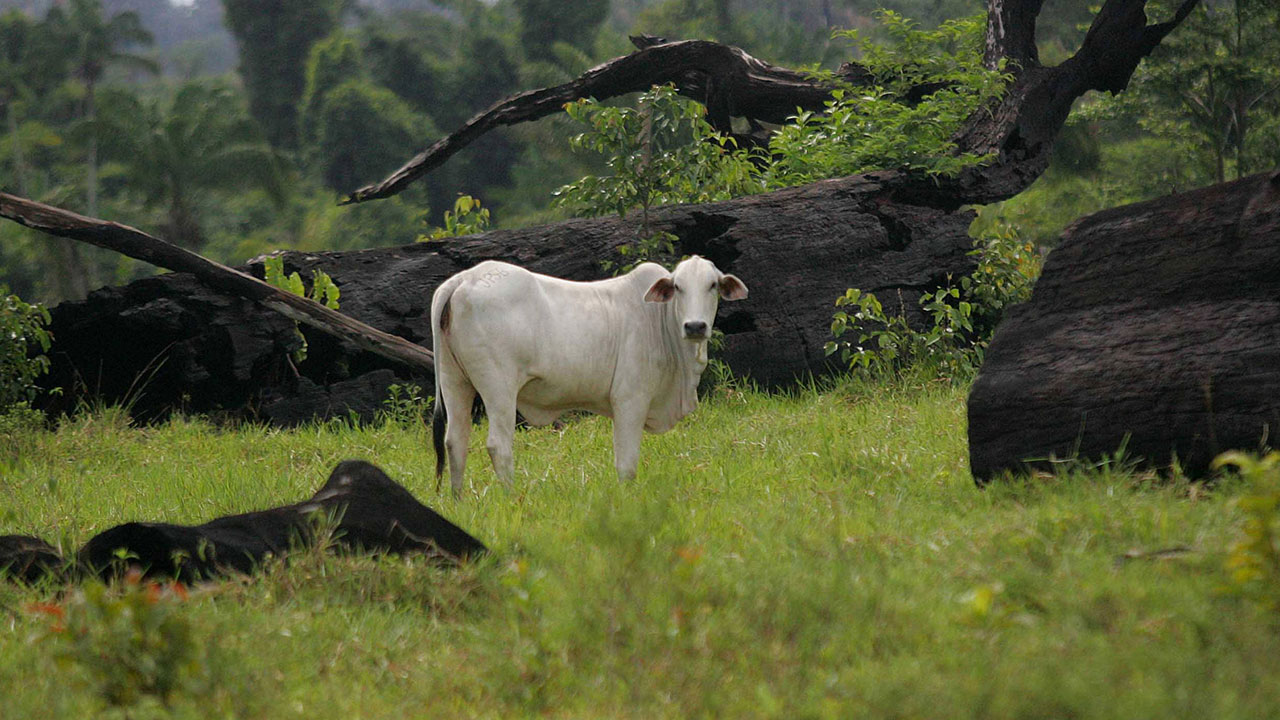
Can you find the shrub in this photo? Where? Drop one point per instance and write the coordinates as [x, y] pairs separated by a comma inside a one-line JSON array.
[[1253, 561], [132, 642], [466, 218], [884, 125], [22, 330], [405, 405], [662, 151], [961, 319], [323, 290]]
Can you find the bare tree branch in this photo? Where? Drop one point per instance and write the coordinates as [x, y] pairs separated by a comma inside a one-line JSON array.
[[730, 82], [141, 246]]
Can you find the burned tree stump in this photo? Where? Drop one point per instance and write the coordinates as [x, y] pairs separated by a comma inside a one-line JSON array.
[[1155, 327]]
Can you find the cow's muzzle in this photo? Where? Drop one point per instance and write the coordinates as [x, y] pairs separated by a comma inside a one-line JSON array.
[[695, 330]]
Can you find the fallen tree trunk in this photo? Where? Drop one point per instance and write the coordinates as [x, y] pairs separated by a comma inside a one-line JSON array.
[[1154, 328], [219, 354], [141, 246]]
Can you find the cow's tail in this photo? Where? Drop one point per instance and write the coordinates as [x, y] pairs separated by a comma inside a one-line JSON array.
[[438, 420], [441, 315]]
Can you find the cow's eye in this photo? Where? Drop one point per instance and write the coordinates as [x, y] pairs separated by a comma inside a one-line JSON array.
[[712, 288]]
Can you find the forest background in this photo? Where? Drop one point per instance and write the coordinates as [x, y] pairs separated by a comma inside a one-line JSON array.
[[233, 127]]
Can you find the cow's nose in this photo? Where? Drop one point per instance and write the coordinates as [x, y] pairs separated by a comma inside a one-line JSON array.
[[695, 329]]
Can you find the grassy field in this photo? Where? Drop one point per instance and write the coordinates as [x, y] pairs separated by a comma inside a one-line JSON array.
[[818, 555]]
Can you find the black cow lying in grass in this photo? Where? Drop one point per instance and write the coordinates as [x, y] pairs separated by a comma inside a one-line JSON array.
[[359, 508]]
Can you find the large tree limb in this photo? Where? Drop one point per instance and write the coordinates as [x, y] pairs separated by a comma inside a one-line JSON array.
[[730, 82], [1018, 131], [141, 246]]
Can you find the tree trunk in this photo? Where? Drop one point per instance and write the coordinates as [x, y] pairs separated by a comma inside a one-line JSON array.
[[91, 155], [183, 228], [1154, 328], [19, 162], [797, 250]]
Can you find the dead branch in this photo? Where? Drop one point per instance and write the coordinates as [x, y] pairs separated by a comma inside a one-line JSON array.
[[141, 246]]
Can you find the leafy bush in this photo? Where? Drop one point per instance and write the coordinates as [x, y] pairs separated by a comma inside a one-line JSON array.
[[133, 643], [1253, 561], [883, 125], [405, 405], [21, 330], [466, 218], [662, 151], [323, 290], [961, 319]]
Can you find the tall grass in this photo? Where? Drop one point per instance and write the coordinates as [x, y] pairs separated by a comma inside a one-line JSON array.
[[819, 554]]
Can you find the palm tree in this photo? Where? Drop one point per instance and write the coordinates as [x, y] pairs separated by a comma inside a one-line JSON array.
[[29, 66], [202, 141], [14, 31], [96, 44]]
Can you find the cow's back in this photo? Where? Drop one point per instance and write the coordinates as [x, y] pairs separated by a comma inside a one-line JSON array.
[[562, 339]]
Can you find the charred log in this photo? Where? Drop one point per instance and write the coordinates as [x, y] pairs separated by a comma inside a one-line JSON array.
[[798, 250], [1154, 328]]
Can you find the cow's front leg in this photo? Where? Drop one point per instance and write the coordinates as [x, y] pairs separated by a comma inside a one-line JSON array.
[[502, 435], [628, 429]]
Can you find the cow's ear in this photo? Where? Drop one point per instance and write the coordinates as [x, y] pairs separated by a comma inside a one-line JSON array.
[[731, 288], [661, 291]]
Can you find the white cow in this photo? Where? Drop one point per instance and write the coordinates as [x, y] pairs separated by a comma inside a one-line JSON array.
[[631, 348]]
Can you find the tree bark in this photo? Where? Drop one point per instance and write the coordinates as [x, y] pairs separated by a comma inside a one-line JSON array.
[[1154, 328]]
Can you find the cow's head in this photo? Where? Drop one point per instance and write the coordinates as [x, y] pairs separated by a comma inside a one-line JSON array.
[[694, 288]]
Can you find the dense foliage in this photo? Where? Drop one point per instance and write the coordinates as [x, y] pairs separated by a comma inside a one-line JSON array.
[[960, 318], [881, 126], [23, 342]]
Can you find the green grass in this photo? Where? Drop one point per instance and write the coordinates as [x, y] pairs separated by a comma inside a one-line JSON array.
[[817, 555]]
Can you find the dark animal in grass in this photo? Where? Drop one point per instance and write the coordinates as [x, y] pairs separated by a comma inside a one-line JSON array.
[[28, 559], [366, 511]]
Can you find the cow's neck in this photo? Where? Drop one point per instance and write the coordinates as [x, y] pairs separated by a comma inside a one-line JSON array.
[[690, 360]]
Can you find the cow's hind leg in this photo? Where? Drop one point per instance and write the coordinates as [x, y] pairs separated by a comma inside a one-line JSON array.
[[501, 409], [458, 396]]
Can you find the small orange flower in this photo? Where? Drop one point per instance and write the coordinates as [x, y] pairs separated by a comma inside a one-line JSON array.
[[51, 609]]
